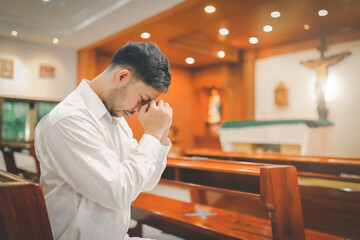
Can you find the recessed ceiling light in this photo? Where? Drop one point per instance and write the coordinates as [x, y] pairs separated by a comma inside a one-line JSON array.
[[190, 60], [145, 35], [46, 0], [14, 33], [224, 31], [209, 9], [55, 41], [253, 40], [267, 28], [323, 12], [306, 26], [221, 54], [275, 14]]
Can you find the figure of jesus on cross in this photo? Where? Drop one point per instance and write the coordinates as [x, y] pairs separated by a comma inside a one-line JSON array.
[[321, 66]]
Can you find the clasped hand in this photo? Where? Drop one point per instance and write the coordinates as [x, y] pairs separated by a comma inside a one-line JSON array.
[[156, 118]]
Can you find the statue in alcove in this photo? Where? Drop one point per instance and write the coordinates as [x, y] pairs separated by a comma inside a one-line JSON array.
[[214, 111]]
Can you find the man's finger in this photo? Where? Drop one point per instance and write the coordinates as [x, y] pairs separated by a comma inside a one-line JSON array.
[[160, 103], [152, 103]]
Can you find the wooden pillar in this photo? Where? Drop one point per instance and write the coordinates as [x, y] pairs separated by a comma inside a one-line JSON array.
[[233, 93], [248, 84], [87, 64]]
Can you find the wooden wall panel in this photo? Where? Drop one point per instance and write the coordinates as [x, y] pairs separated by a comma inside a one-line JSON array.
[[87, 64], [103, 60], [182, 99], [204, 79]]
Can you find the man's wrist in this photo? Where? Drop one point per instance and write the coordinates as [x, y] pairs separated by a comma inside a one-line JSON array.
[[155, 134], [164, 138]]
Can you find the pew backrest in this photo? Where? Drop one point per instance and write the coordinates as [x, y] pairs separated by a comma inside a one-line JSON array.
[[23, 213], [336, 211], [315, 164]]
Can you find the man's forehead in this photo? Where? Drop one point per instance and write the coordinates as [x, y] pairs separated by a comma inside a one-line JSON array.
[[153, 96], [147, 92], [150, 92]]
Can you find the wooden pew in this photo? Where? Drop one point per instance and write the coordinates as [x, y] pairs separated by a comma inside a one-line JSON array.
[[334, 211], [272, 187], [8, 148], [23, 213], [319, 166]]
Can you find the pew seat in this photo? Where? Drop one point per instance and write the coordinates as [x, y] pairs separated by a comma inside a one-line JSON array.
[[170, 216]]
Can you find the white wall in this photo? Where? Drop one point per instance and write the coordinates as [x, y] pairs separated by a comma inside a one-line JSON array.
[[27, 58], [26, 83], [344, 104]]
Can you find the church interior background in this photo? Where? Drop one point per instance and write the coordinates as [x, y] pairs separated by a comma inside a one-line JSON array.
[[243, 73], [261, 76]]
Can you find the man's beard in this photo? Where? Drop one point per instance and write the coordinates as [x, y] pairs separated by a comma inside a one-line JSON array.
[[112, 113], [109, 108], [115, 95]]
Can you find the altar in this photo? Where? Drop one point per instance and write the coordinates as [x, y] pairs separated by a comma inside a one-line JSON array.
[[299, 137]]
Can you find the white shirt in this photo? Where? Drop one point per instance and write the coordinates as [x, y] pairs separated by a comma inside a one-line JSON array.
[[92, 169]]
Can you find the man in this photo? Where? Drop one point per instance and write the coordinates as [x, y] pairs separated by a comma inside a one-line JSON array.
[[91, 167]]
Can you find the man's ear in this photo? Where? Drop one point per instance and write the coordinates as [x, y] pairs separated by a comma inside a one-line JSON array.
[[122, 77]]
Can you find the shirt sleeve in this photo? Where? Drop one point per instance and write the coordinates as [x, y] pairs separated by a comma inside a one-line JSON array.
[[161, 164], [80, 156]]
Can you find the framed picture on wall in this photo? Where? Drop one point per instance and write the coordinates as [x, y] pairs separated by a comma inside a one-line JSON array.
[[47, 71], [6, 68]]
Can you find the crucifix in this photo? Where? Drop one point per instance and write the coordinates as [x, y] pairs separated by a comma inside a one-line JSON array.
[[321, 66]]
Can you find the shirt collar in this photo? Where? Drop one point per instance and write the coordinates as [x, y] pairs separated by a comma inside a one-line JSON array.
[[92, 100]]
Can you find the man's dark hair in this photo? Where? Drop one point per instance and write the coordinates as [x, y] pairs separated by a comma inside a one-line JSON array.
[[146, 62]]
